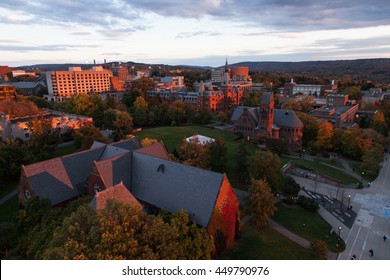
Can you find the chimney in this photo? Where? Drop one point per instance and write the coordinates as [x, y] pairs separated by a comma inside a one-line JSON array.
[[94, 62], [105, 61]]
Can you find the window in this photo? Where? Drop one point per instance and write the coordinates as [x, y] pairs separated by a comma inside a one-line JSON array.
[[27, 193], [96, 188]]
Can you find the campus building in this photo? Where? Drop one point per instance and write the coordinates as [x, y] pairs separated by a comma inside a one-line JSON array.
[[65, 84], [268, 123]]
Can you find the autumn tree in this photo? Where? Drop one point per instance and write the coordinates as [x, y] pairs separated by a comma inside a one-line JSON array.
[[195, 154], [12, 156], [324, 136], [177, 112], [265, 165], [319, 250], [261, 202], [379, 124], [119, 121], [148, 141], [371, 161], [18, 109]]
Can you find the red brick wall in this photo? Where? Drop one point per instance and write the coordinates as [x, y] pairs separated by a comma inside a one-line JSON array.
[[225, 216], [94, 178]]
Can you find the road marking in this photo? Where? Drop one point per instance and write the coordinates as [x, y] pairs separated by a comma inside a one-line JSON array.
[[353, 245]]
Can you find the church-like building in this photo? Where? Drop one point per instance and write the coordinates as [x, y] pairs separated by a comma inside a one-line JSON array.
[[267, 122]]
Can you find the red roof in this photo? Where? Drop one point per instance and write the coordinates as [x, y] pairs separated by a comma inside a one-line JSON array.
[[118, 193], [156, 150]]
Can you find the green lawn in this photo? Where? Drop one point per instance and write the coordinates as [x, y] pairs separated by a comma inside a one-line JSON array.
[[265, 244], [173, 138], [8, 209], [315, 226], [330, 162], [335, 174], [62, 151]]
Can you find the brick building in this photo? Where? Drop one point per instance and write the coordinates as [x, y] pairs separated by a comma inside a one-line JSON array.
[[267, 122], [150, 178]]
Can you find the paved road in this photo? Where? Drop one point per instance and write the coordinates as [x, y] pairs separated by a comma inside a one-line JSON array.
[[373, 220]]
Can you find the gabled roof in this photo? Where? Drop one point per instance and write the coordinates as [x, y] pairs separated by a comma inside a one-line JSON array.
[[62, 178], [286, 118], [118, 193], [174, 186], [238, 112], [115, 170], [156, 150], [128, 144]]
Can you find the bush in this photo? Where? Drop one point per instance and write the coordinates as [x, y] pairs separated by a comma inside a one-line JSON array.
[[308, 203]]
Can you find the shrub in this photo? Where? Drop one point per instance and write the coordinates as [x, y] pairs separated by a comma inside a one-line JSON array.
[[308, 203]]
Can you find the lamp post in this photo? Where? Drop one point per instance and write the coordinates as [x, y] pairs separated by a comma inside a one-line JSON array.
[[303, 155], [361, 179], [339, 232], [132, 67], [349, 200]]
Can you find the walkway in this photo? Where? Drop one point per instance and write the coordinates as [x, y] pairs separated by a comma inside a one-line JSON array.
[[8, 196]]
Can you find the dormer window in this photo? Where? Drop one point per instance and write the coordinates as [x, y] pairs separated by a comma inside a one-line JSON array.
[[27, 193], [96, 188]]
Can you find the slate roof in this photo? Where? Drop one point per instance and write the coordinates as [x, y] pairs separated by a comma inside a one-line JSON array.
[[115, 170], [156, 150], [174, 186], [128, 144], [62, 178], [286, 118], [118, 193], [238, 112]]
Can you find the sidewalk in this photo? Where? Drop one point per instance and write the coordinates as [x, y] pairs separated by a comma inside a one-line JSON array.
[[8, 196]]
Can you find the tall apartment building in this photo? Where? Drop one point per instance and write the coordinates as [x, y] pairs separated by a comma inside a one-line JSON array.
[[64, 84]]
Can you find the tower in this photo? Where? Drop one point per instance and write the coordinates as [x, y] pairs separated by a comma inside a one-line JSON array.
[[266, 114], [226, 85]]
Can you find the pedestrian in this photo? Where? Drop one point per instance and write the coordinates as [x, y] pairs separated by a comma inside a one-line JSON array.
[[384, 237], [371, 252]]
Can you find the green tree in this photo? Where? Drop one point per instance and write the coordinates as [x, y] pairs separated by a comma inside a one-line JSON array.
[[12, 156], [119, 121], [261, 202], [140, 108], [371, 161], [84, 137], [217, 155], [242, 163], [310, 129], [177, 112], [266, 166]]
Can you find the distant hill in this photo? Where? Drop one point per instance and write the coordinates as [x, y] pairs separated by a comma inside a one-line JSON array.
[[375, 70]]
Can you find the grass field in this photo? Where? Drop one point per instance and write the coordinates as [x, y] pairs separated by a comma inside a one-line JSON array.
[[173, 138], [316, 228], [336, 174], [265, 244], [65, 150]]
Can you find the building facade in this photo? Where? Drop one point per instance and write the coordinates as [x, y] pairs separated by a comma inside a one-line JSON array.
[[65, 84], [18, 128], [269, 123]]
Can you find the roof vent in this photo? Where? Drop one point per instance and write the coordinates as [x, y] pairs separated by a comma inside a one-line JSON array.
[[161, 168]]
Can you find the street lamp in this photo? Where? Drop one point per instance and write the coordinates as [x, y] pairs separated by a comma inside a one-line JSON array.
[[303, 155], [361, 179], [339, 231], [349, 200]]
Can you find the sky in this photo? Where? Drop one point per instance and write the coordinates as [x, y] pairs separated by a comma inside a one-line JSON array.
[[203, 32]]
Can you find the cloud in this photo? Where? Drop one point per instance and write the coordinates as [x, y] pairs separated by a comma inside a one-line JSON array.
[[50, 48], [284, 15], [81, 33], [183, 35]]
